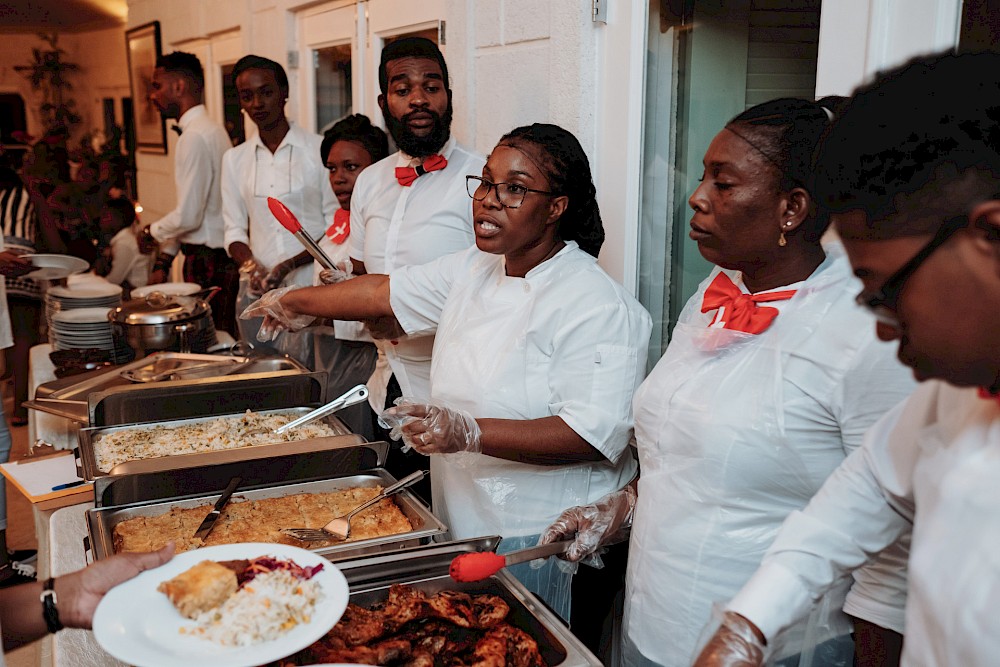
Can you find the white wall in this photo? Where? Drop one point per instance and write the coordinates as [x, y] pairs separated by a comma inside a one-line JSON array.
[[859, 38]]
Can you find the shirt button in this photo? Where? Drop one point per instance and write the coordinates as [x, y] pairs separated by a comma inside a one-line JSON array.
[[527, 288]]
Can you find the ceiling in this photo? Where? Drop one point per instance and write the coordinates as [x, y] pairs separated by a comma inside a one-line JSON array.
[[62, 15]]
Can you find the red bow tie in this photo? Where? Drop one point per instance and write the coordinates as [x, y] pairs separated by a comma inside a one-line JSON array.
[[406, 175], [742, 312], [341, 227], [984, 392]]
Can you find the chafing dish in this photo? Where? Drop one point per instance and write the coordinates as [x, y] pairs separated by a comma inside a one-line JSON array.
[[88, 469], [426, 568], [88, 398], [102, 520]]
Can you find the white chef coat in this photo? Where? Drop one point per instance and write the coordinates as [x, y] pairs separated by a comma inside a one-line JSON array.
[[933, 461], [564, 340], [293, 174], [736, 430], [198, 176], [394, 226]]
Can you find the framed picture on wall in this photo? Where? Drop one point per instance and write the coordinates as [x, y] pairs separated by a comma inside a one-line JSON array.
[[143, 44]]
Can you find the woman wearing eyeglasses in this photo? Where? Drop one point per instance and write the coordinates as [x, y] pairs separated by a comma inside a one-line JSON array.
[[536, 356], [772, 375]]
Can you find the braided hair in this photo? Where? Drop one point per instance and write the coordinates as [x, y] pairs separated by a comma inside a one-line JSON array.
[[568, 172]]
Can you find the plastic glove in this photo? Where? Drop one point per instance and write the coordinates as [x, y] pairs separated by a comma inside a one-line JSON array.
[[737, 643], [277, 274], [255, 275], [591, 527], [342, 271], [433, 429], [277, 318]]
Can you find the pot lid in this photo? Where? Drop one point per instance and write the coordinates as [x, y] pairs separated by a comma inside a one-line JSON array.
[[159, 308]]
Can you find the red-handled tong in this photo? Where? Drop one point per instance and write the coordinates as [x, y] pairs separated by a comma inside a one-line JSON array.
[[292, 224], [484, 564]]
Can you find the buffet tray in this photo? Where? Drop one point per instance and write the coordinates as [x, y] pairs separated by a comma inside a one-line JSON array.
[[426, 568], [87, 467], [85, 398], [101, 521]]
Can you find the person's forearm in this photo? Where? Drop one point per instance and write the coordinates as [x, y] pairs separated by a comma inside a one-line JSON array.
[[545, 441], [21, 615], [301, 259], [364, 297], [240, 252]]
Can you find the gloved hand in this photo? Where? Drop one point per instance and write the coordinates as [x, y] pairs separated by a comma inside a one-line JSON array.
[[433, 429], [255, 275], [737, 643], [342, 271], [277, 318], [591, 527], [277, 274]]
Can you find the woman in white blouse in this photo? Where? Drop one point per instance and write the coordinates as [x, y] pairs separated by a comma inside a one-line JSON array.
[[537, 354], [771, 378]]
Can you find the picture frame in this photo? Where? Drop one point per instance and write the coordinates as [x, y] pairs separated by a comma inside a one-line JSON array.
[[143, 46]]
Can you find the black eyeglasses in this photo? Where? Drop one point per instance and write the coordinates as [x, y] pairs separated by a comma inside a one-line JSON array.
[[884, 301], [510, 195]]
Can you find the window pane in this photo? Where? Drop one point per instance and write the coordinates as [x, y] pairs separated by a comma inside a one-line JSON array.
[[333, 85]]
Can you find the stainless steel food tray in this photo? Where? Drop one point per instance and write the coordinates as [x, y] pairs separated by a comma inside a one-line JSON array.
[[87, 458], [87, 398], [426, 568], [102, 521]]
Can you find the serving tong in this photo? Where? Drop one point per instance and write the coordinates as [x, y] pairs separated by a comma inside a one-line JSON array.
[[351, 397], [339, 528]]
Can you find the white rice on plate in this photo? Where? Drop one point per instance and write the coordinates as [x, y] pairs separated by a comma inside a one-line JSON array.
[[262, 610]]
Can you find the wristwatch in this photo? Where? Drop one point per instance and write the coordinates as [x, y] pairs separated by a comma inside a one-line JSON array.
[[49, 611]]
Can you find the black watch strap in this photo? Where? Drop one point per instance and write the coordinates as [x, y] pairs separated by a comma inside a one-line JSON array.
[[49, 611]]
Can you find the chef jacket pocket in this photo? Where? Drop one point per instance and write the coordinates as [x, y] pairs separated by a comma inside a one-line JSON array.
[[615, 377]]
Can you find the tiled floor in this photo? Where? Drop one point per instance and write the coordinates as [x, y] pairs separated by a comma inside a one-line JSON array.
[[20, 532]]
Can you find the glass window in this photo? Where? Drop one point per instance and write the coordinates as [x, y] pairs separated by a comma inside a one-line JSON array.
[[707, 61], [333, 85]]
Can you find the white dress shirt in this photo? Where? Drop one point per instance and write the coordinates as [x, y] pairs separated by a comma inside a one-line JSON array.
[[735, 431], [198, 174], [293, 174], [565, 340], [127, 263], [933, 461], [394, 226]]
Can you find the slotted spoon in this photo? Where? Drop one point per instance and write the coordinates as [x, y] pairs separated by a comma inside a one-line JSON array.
[[340, 528]]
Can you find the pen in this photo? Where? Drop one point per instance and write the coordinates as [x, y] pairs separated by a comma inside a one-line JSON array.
[[68, 485]]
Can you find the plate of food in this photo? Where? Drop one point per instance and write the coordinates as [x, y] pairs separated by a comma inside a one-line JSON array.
[[53, 267], [232, 605]]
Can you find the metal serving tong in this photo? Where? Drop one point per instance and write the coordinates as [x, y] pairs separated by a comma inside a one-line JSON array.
[[339, 529], [345, 400]]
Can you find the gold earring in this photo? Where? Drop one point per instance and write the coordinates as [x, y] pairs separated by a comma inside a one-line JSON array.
[[782, 241]]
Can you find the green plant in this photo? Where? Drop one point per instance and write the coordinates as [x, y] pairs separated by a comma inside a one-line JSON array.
[[48, 75]]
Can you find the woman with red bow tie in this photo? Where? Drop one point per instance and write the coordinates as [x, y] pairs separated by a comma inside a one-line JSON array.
[[344, 349], [772, 375]]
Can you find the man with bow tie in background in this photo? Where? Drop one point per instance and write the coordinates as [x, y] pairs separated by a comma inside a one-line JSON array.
[[411, 207], [195, 226]]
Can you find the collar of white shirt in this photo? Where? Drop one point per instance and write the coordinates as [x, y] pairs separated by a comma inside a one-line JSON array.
[[190, 115], [295, 137], [404, 160]]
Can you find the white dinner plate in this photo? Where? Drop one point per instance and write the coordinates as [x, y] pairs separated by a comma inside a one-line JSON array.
[[82, 316], [140, 626], [86, 290], [52, 267], [170, 289]]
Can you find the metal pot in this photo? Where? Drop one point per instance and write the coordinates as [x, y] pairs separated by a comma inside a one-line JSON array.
[[161, 322]]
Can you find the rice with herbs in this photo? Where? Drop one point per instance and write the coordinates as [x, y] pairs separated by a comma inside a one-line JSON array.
[[265, 608], [246, 430]]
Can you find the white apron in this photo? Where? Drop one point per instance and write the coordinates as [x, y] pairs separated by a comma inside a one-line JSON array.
[[718, 472]]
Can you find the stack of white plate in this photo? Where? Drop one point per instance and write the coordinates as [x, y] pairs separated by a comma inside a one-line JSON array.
[[77, 315]]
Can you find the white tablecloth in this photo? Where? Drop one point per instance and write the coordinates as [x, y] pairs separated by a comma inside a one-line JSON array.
[[54, 430], [72, 648]]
